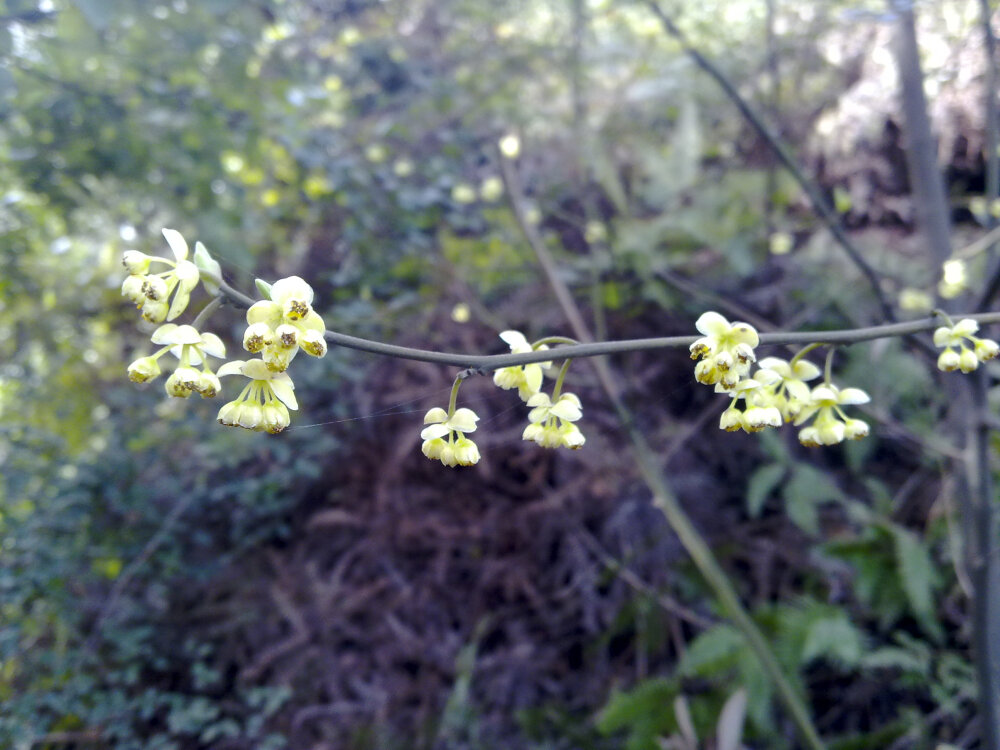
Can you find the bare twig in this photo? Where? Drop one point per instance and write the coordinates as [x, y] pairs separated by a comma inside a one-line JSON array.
[[819, 203], [489, 362]]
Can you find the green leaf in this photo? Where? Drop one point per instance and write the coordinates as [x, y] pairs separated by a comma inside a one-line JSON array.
[[803, 494], [761, 485], [919, 578], [714, 649], [834, 638], [263, 287]]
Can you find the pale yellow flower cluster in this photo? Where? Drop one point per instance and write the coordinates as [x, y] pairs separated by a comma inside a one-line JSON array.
[[151, 292], [777, 392], [457, 449], [956, 339], [278, 328]]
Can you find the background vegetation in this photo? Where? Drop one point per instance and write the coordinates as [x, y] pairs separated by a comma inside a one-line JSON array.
[[166, 583]]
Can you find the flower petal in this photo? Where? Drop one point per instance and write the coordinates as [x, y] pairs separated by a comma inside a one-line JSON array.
[[437, 414], [806, 370], [712, 324], [853, 396], [777, 364], [942, 336], [463, 420], [165, 334], [312, 322], [212, 345], [284, 390], [965, 327], [533, 377], [266, 312], [179, 304], [231, 368], [434, 431], [187, 274], [565, 409], [292, 287], [257, 369], [177, 243], [539, 399], [516, 341]]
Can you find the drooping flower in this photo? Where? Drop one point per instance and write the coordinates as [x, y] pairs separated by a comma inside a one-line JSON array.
[[282, 325], [955, 338], [444, 437], [831, 425], [263, 405], [551, 423], [526, 378], [725, 350], [787, 391], [954, 278], [760, 412], [151, 292], [192, 349]]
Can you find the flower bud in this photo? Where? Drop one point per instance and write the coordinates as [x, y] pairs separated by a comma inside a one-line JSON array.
[[144, 369], [155, 312], [132, 288], [313, 343], [967, 361], [948, 360], [209, 385], [275, 417], [986, 349], [155, 288], [136, 262], [466, 452], [855, 429], [731, 419]]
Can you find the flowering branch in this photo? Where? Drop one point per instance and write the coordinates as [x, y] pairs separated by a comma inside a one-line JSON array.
[[488, 362]]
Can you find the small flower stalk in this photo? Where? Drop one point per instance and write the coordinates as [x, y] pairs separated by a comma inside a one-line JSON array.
[[963, 350]]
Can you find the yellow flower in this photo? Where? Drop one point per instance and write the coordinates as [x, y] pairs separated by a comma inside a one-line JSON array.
[[831, 425], [551, 423], [784, 384], [151, 292], [263, 405], [955, 337], [280, 326], [457, 450], [725, 351], [954, 278], [760, 411], [192, 349], [526, 378]]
